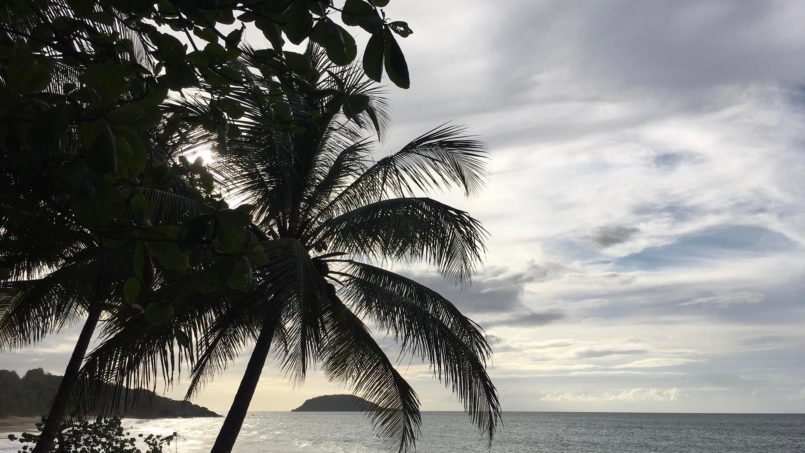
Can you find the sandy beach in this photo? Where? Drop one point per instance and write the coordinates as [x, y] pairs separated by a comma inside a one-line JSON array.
[[18, 424]]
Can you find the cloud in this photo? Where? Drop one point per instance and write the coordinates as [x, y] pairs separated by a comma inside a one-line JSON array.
[[634, 394], [727, 299], [526, 319], [646, 163], [496, 290], [613, 235], [659, 362], [606, 352], [717, 243]]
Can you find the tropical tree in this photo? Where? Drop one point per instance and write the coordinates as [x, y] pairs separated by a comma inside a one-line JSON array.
[[323, 208], [81, 85], [323, 215], [59, 270]]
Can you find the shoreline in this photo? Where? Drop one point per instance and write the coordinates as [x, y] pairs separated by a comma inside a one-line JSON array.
[[15, 425]]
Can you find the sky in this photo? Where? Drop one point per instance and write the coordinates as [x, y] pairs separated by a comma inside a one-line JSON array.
[[645, 203]]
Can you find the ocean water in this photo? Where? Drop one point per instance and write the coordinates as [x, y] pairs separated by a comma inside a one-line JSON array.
[[343, 432]]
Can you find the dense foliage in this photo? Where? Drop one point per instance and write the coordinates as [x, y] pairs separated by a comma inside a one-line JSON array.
[[88, 152], [104, 218], [102, 436]]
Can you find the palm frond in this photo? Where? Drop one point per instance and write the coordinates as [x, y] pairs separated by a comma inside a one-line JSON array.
[[441, 158], [173, 208], [409, 229], [33, 309], [301, 290], [349, 163], [413, 292], [418, 319], [353, 357]]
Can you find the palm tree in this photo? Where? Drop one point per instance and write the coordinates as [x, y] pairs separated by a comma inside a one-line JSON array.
[[323, 212], [327, 211]]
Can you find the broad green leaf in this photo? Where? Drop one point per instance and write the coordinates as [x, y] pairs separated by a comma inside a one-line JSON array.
[[103, 204], [237, 218], [159, 315], [380, 3], [373, 57], [169, 48], [233, 38], [131, 161], [231, 240], [169, 255], [27, 74], [401, 28], [141, 208], [337, 42], [231, 107], [198, 58], [207, 34], [355, 104], [396, 67], [106, 79], [131, 289], [258, 256], [271, 31], [297, 63], [358, 12], [318, 7], [138, 261], [298, 22], [353, 9], [88, 131], [240, 278], [130, 114], [102, 156]]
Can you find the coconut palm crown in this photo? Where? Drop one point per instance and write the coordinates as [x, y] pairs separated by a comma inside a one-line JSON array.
[[317, 189]]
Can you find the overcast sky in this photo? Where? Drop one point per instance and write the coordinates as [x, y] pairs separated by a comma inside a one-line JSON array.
[[646, 202]]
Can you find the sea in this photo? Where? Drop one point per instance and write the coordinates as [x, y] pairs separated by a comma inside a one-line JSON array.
[[351, 432]]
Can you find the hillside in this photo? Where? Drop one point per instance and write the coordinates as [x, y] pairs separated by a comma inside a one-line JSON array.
[[31, 396], [333, 403]]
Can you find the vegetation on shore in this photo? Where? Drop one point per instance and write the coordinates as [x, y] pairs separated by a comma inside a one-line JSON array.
[[105, 221], [32, 396]]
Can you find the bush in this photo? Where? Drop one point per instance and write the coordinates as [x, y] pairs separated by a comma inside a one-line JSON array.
[[96, 437]]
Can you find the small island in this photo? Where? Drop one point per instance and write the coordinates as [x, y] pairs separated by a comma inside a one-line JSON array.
[[336, 403]]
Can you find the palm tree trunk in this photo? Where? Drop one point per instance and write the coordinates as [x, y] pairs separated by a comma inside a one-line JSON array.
[[63, 395], [234, 418]]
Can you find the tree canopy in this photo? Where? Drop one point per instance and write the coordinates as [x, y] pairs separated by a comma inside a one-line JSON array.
[[104, 216]]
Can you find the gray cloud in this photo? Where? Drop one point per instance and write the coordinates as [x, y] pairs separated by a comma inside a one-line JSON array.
[[613, 235], [680, 45], [681, 119], [607, 352], [526, 319], [669, 161], [711, 244], [496, 290]]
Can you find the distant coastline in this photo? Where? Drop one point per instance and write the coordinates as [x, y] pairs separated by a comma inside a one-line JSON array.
[[25, 399]]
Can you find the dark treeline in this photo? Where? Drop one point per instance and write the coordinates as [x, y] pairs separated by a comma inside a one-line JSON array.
[[32, 396]]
